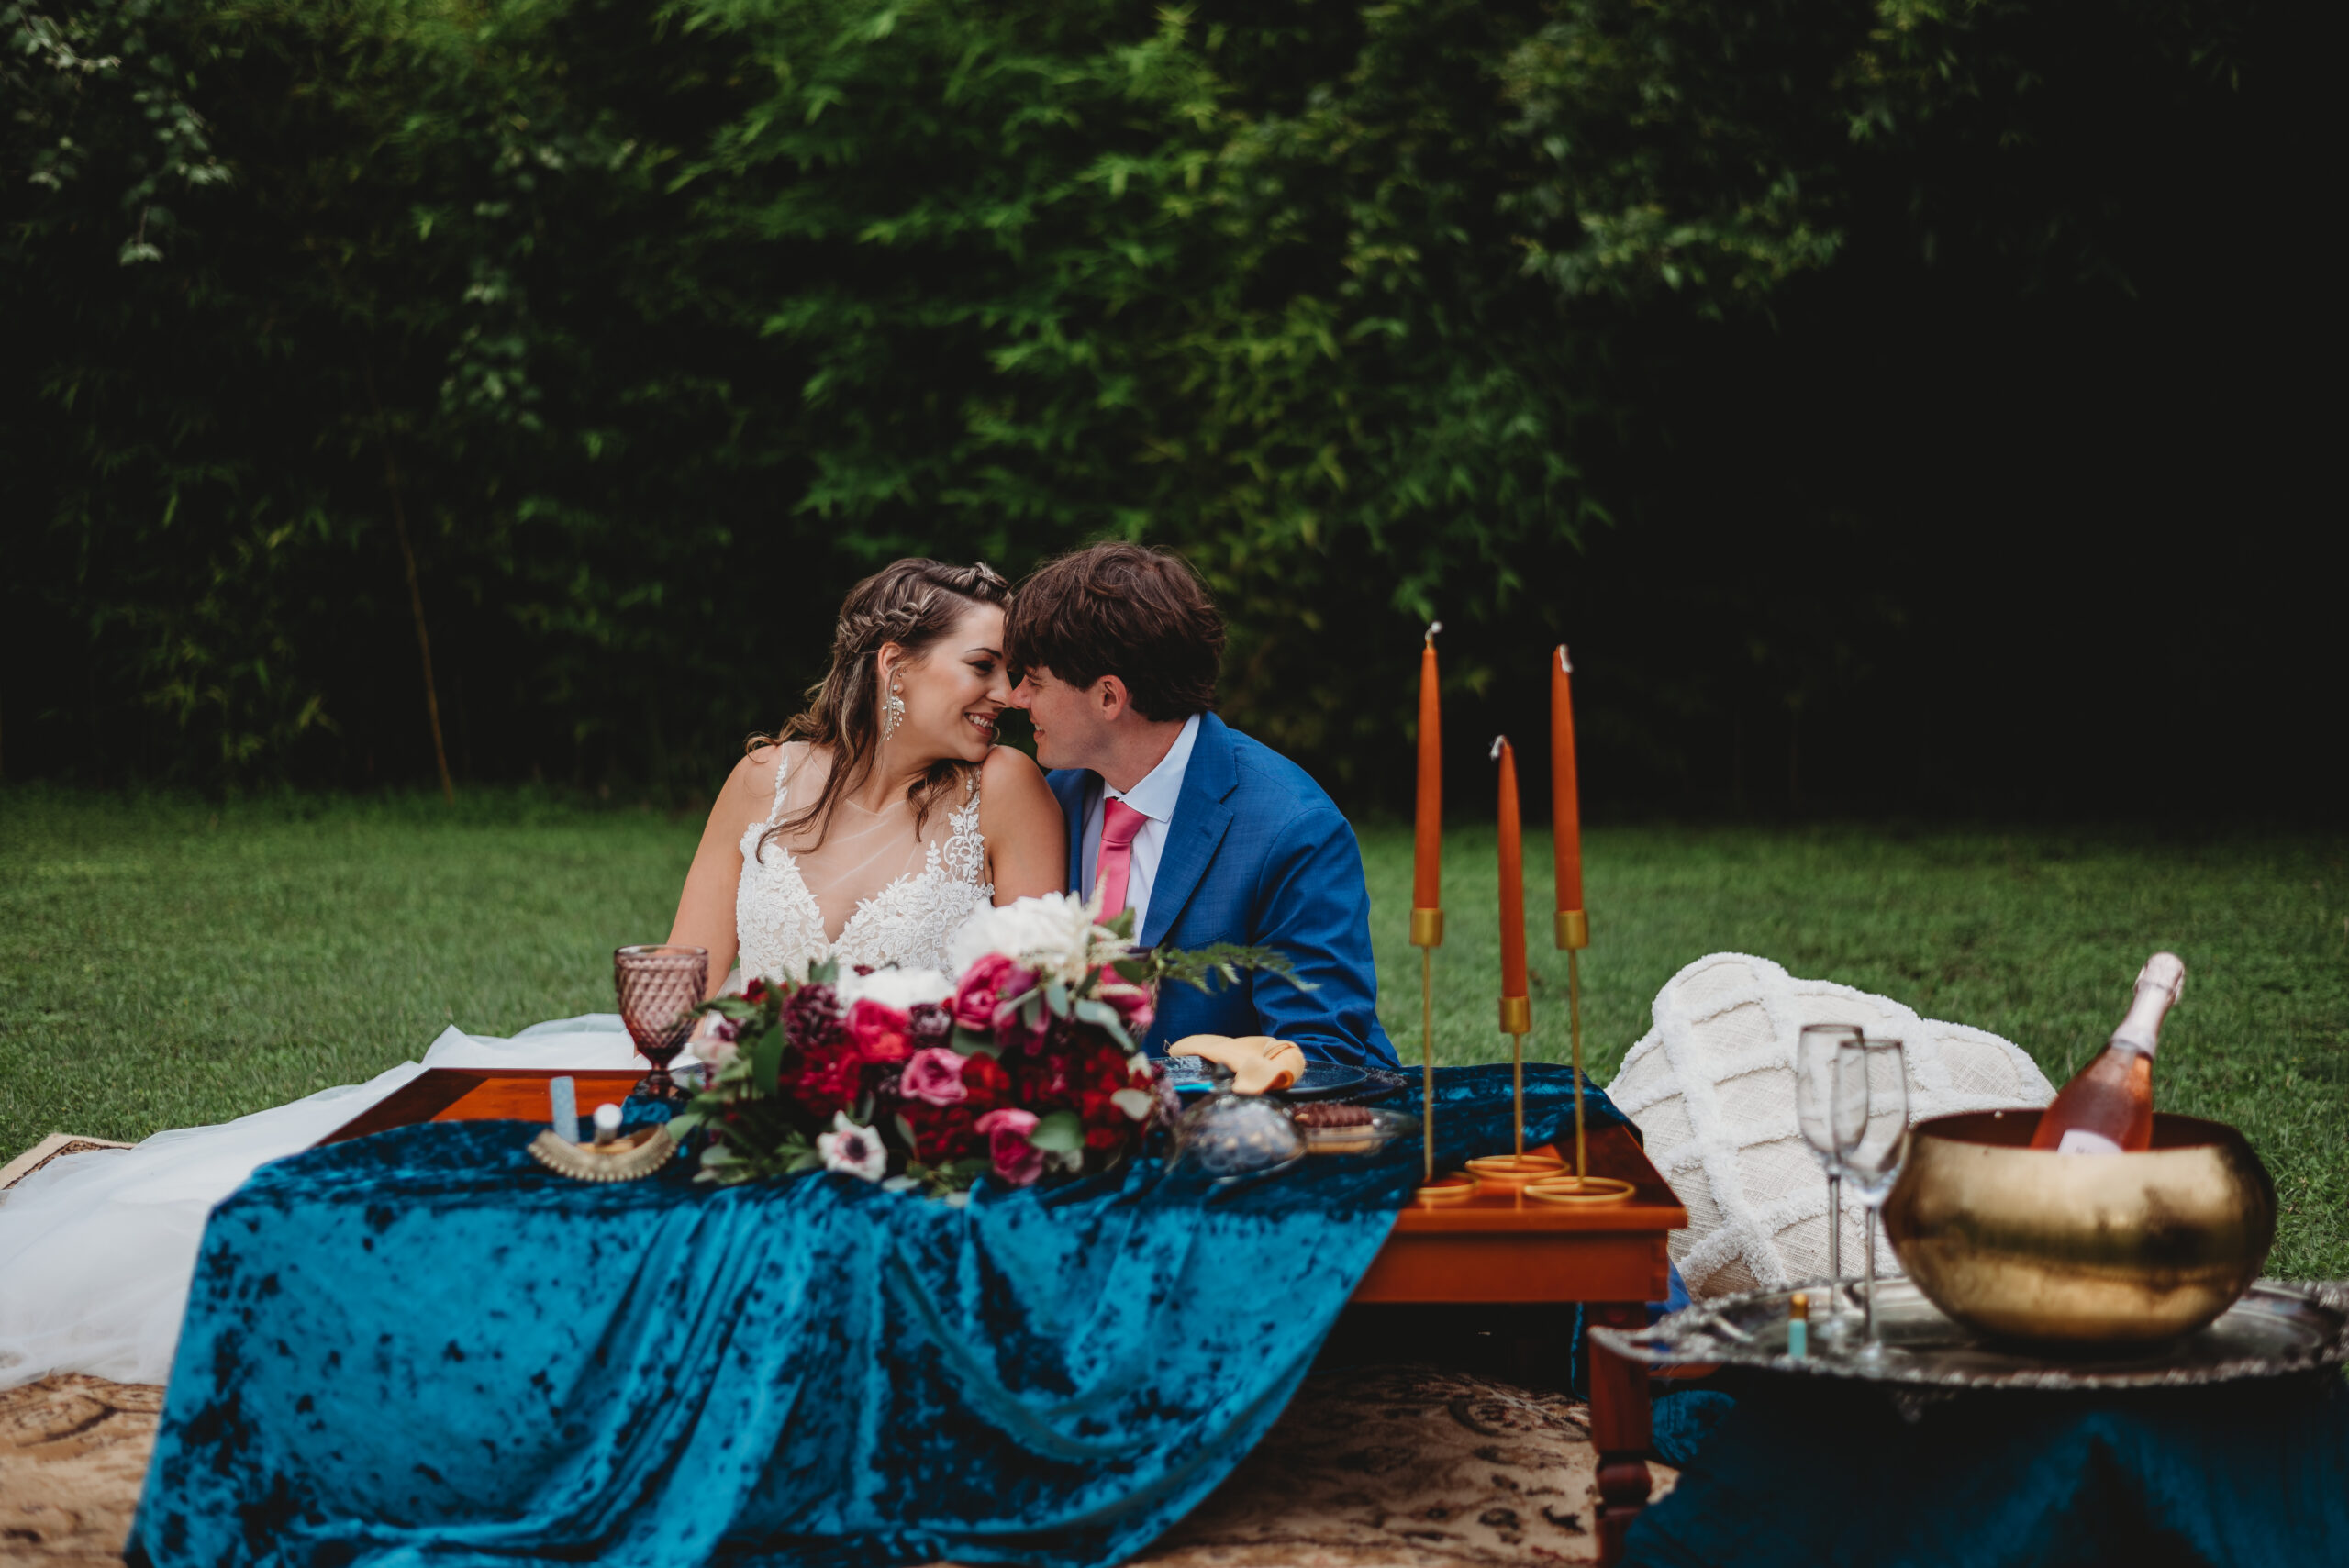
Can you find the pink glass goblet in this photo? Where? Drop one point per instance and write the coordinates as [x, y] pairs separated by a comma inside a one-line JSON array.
[[661, 988]]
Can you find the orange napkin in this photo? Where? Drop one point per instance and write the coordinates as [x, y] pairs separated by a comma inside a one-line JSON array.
[[1260, 1064]]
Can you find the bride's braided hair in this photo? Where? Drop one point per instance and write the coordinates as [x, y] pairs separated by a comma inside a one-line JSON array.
[[911, 603]]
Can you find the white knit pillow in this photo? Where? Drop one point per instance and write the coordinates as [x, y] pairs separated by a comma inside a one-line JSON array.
[[1712, 1088]]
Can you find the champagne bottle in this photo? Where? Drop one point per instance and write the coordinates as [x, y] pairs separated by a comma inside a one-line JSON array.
[[2109, 1107]]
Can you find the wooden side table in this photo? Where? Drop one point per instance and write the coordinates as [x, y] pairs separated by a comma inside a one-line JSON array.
[[1494, 1249], [482, 1094], [1504, 1249]]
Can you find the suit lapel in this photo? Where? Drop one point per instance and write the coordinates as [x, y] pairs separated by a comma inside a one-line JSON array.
[[1201, 818], [1076, 789]]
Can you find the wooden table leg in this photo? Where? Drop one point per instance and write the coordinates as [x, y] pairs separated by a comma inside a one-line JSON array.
[[1619, 1430]]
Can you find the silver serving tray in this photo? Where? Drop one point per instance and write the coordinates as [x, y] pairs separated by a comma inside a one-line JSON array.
[[2277, 1328]]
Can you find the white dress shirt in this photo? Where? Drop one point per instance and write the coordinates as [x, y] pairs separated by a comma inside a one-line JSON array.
[[1154, 798]]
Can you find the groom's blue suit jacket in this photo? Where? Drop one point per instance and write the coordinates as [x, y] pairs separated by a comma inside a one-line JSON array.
[[1258, 855]]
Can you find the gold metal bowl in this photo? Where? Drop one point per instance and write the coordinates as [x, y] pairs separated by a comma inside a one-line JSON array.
[[2080, 1251]]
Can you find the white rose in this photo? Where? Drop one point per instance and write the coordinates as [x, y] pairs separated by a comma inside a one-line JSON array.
[[903, 989], [1055, 934]]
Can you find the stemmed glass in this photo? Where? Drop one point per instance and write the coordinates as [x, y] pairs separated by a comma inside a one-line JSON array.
[[1870, 1118], [661, 989], [1815, 1052]]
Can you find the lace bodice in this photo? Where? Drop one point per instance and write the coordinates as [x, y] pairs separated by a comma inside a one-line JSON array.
[[779, 920]]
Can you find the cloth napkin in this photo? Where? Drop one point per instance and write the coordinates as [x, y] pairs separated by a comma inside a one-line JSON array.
[[1259, 1064]]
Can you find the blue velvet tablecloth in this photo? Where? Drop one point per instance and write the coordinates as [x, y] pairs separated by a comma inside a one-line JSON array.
[[420, 1348], [1806, 1472]]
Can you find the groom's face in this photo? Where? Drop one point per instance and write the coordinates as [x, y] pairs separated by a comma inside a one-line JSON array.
[[1072, 723]]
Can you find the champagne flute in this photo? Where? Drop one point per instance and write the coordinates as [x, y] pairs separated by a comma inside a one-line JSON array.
[[661, 990], [1870, 1116], [1815, 1053]]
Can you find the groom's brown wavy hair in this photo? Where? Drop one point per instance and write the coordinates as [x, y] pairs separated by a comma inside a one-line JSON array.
[[1125, 610]]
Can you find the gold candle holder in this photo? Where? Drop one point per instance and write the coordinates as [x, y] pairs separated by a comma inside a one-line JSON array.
[[1517, 1022], [1573, 935], [1512, 1171], [1581, 1188], [1427, 935]]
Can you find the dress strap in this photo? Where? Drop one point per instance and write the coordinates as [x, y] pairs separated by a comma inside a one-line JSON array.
[[782, 778]]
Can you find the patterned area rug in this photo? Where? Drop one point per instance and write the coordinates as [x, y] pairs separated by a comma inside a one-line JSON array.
[[72, 1453], [1375, 1467]]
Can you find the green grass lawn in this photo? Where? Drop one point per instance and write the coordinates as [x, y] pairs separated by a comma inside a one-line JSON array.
[[165, 962]]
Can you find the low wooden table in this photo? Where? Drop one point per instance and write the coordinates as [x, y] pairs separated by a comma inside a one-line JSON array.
[[1494, 1249], [1503, 1248]]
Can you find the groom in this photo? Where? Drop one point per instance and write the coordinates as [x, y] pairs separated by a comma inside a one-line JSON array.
[[1207, 835]]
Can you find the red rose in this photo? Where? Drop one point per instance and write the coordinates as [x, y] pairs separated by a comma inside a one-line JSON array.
[[943, 1134], [825, 1079], [880, 1032], [984, 985], [1017, 1161], [985, 1082], [755, 992]]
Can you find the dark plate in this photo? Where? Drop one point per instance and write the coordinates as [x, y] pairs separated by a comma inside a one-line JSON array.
[[1322, 1079], [1325, 1080]]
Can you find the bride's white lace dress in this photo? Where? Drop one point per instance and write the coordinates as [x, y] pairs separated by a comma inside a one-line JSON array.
[[97, 1249]]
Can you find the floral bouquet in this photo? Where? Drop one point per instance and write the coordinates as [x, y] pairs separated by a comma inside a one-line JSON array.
[[1029, 1063]]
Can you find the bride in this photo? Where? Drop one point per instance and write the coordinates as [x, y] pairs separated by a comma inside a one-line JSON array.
[[868, 832]]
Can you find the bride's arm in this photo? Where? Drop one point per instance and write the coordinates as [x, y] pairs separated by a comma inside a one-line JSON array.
[[1027, 836], [706, 907]]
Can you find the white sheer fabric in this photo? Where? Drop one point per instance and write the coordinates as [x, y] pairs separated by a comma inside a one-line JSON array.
[[881, 887], [97, 1249]]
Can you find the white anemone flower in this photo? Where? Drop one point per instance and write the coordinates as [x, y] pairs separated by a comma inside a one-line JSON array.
[[852, 1150]]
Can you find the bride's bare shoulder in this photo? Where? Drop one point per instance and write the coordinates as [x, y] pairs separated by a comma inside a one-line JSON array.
[[1013, 773], [755, 778], [1013, 794]]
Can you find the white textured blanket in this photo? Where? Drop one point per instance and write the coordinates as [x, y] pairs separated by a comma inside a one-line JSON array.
[[1712, 1088]]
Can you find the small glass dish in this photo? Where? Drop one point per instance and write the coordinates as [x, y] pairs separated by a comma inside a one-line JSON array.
[[1230, 1135], [1364, 1129]]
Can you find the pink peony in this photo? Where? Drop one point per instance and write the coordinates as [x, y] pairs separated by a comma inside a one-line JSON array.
[[933, 1076], [1133, 1005], [882, 1033], [1017, 1161], [990, 979]]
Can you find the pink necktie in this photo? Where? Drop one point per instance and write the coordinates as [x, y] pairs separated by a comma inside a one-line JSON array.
[[1119, 823]]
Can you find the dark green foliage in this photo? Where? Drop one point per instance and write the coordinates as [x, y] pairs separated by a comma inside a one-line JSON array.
[[666, 325]]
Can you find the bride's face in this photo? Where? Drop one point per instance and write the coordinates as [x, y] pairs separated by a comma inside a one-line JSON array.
[[953, 692]]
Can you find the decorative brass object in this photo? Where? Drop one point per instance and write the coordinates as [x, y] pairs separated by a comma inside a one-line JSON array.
[[1444, 1191], [1583, 1191], [1573, 930], [628, 1159], [1505, 1172], [2078, 1251]]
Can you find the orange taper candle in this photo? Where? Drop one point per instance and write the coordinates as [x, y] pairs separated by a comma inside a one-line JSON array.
[[1512, 886], [1427, 857], [1565, 794]]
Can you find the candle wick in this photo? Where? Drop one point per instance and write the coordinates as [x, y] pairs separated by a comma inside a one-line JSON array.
[[1498, 742], [1433, 626], [1564, 663]]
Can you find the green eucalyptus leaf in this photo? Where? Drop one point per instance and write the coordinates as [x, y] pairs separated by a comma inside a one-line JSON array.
[[767, 1061], [1059, 1133]]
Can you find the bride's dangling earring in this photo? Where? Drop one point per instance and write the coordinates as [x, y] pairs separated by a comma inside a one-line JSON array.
[[893, 710]]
